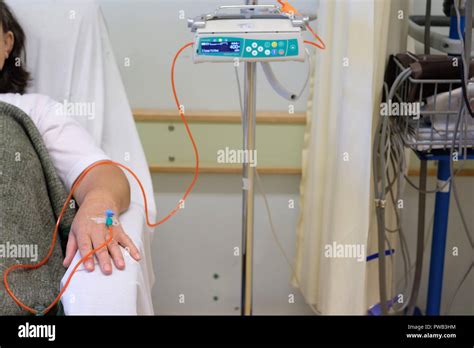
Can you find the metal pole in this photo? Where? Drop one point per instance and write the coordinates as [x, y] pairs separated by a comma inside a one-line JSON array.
[[427, 38], [420, 237], [248, 176]]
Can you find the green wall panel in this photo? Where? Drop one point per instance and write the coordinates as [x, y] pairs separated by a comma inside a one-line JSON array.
[[278, 145]]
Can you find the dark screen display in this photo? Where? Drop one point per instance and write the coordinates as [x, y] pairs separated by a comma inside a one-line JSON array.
[[220, 47]]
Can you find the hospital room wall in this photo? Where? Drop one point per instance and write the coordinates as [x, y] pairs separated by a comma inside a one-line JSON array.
[[194, 251], [419, 6]]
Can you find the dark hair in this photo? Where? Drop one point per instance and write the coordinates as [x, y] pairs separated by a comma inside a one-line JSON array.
[[14, 78]]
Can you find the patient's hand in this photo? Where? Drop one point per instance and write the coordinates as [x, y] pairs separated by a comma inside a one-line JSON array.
[[86, 235]]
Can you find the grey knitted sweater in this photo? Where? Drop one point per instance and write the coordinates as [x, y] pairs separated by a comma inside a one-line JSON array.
[[31, 198]]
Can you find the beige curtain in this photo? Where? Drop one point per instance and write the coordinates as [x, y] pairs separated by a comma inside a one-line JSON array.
[[336, 187]]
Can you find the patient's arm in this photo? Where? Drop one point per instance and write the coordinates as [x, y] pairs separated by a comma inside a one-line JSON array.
[[105, 187]]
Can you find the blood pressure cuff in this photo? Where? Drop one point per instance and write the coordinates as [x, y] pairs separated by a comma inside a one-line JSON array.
[[427, 67], [31, 198]]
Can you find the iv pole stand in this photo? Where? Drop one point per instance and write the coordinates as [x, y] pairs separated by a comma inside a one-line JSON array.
[[248, 180]]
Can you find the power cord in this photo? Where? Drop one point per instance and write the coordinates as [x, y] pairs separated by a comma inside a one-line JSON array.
[[267, 207]]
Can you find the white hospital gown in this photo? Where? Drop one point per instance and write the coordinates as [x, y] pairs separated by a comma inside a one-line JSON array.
[[70, 146]]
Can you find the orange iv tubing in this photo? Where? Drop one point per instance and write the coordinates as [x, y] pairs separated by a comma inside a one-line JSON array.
[[286, 7]]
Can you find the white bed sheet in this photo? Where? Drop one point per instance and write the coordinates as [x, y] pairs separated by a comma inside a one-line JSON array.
[[70, 57]]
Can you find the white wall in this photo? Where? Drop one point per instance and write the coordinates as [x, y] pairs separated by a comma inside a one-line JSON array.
[[199, 242], [418, 7]]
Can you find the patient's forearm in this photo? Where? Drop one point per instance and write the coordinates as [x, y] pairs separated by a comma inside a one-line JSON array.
[[108, 184]]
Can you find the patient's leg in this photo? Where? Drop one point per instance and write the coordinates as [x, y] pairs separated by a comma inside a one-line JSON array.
[[27, 221]]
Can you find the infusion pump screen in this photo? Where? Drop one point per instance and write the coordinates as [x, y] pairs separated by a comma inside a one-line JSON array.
[[220, 47]]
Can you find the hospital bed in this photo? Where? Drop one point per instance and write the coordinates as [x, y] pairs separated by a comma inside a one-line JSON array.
[[70, 57]]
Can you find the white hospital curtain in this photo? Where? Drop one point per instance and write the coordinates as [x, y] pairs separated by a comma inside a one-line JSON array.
[[336, 183]]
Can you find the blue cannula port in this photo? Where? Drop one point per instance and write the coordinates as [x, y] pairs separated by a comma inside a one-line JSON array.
[[109, 214]]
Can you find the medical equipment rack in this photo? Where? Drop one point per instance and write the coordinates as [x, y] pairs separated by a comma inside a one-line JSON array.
[[431, 143], [423, 134]]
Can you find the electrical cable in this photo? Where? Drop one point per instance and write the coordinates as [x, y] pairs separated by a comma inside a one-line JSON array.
[[412, 266], [463, 218], [458, 288], [239, 87], [403, 243], [267, 205], [421, 189], [464, 67], [398, 151], [108, 241], [278, 87], [421, 195], [407, 179], [277, 240], [464, 72], [395, 200], [379, 152], [420, 247], [427, 233], [420, 240], [398, 229]]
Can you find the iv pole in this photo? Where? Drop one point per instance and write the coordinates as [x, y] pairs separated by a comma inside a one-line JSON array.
[[248, 180]]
